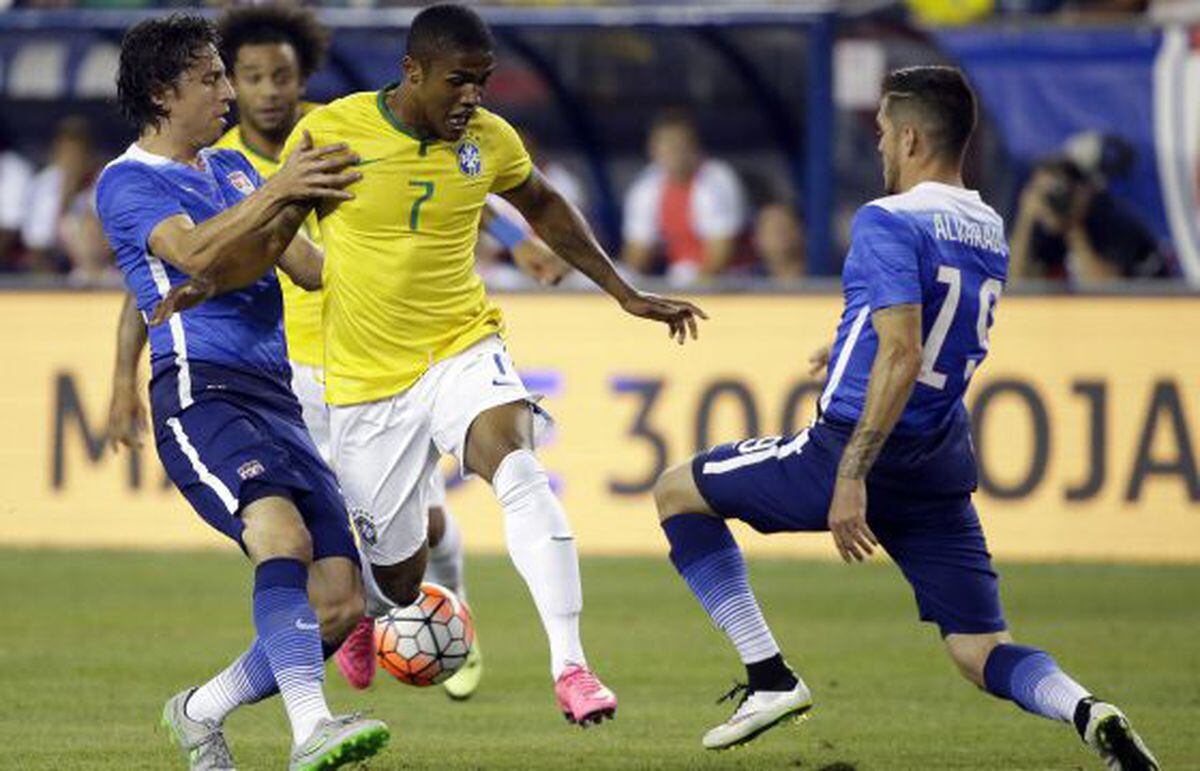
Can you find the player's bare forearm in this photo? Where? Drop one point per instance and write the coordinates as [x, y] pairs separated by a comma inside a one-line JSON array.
[[131, 339], [195, 248], [257, 229], [303, 262], [893, 376], [566, 232], [249, 257], [126, 415]]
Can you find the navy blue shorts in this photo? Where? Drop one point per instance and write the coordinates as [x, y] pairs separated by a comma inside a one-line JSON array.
[[224, 452], [918, 505]]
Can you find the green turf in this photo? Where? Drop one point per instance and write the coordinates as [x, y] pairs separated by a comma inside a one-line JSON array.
[[94, 643]]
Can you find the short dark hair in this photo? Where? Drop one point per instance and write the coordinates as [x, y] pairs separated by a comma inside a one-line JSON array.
[[943, 100], [257, 24], [154, 54], [447, 28]]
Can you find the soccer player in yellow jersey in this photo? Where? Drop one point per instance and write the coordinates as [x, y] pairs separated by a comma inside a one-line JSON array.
[[415, 365], [270, 52]]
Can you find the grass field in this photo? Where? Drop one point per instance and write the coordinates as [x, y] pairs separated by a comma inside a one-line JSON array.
[[93, 643]]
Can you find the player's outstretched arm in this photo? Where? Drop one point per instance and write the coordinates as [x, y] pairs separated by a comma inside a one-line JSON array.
[[126, 414], [564, 229], [893, 375]]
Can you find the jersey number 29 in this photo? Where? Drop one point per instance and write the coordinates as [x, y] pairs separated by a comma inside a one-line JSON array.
[[989, 293]]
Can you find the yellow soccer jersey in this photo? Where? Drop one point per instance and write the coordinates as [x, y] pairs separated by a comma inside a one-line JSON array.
[[301, 309], [401, 291]]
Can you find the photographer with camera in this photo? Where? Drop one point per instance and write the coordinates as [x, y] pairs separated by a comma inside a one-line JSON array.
[[1069, 227]]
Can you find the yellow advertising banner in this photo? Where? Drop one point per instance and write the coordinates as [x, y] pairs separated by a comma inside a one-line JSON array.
[[1085, 421]]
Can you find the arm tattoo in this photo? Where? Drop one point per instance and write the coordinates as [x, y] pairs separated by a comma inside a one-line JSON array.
[[861, 452]]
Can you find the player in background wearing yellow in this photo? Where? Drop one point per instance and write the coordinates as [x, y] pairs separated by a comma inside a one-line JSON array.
[[415, 363], [270, 52]]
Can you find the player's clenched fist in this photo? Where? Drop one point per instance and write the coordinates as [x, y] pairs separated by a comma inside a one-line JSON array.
[[316, 172]]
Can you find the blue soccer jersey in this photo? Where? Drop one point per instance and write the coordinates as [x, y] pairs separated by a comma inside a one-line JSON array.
[[235, 333], [937, 246], [227, 427]]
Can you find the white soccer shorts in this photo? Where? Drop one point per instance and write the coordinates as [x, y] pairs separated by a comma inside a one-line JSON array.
[[385, 453], [308, 383]]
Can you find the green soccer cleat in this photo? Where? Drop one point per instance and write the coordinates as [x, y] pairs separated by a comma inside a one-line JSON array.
[[757, 712], [202, 741], [463, 683], [337, 741], [1106, 730]]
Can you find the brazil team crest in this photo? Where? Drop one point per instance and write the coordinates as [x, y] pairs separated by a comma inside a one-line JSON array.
[[470, 159], [362, 523]]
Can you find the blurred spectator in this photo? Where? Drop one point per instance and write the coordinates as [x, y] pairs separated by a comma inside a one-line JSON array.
[[83, 243], [1069, 226], [779, 243], [15, 175], [61, 221], [690, 207]]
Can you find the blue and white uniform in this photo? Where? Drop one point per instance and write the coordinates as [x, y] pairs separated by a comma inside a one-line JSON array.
[[943, 248], [227, 426]]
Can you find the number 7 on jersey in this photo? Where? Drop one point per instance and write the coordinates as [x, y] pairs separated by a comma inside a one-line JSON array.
[[414, 217]]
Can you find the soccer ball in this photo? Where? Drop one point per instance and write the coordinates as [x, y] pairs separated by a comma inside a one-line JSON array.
[[427, 642]]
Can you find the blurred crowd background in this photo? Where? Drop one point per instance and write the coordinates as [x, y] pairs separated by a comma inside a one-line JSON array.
[[711, 145]]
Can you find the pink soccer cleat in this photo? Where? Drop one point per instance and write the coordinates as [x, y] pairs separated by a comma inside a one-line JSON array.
[[582, 698], [356, 658]]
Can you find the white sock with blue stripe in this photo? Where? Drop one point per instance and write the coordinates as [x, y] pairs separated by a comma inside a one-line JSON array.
[[246, 681]]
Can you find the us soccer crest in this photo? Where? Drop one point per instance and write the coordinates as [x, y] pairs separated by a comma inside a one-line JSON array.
[[241, 182], [470, 159]]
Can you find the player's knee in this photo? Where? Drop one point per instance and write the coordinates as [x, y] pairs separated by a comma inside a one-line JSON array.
[[970, 652], [496, 434], [674, 492], [272, 539]]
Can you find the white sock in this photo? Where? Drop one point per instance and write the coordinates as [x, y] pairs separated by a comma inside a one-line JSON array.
[[445, 565], [542, 548], [223, 694], [1057, 696], [304, 700]]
